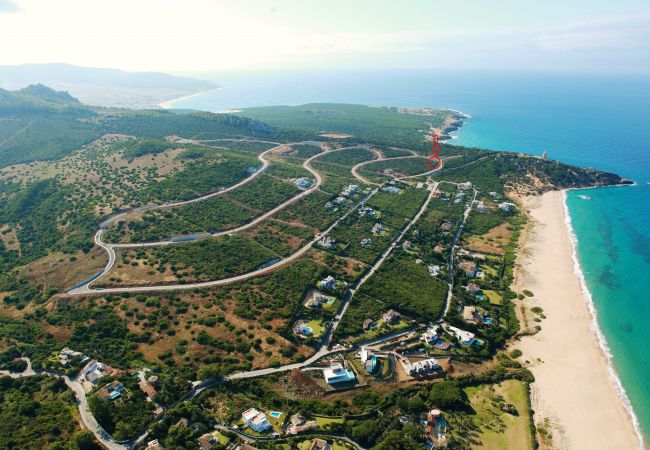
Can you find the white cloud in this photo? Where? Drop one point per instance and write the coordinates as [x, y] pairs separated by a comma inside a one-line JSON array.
[[8, 6]]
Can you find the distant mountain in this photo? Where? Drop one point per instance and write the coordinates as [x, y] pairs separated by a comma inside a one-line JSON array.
[[37, 99], [105, 87]]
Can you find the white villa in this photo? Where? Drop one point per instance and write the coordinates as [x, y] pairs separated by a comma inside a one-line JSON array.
[[465, 337], [337, 374], [256, 420]]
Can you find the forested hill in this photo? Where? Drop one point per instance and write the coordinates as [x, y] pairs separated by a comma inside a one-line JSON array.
[[39, 123]]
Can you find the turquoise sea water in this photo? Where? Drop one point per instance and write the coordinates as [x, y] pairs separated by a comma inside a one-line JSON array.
[[598, 121]]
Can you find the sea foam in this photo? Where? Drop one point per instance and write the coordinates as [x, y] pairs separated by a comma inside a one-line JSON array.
[[586, 294]]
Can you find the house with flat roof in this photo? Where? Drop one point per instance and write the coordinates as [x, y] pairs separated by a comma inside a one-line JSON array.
[[256, 420], [420, 368], [112, 391], [430, 336], [506, 206], [435, 428], [336, 374], [465, 337]]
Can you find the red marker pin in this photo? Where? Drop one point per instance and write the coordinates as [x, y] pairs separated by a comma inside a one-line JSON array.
[[435, 149]]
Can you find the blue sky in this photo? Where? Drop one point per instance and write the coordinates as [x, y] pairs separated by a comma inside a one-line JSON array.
[[217, 35]]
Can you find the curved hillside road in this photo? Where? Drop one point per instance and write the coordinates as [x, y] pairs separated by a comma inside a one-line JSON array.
[[86, 289]]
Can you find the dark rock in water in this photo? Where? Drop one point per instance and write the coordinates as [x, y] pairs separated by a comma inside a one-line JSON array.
[[626, 181]]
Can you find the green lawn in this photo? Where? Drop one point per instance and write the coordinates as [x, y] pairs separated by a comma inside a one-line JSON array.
[[498, 429], [324, 421], [316, 327], [494, 297]]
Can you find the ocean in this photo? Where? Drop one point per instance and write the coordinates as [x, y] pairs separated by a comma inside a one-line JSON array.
[[591, 120]]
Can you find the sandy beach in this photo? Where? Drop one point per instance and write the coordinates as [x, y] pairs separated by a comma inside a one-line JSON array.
[[573, 392]]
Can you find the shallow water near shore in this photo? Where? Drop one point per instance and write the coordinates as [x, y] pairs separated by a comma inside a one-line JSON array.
[[597, 121]]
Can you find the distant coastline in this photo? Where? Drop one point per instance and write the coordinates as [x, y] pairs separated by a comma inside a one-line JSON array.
[[168, 104]]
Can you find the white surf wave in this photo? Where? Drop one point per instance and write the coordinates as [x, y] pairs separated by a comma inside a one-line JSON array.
[[586, 294]]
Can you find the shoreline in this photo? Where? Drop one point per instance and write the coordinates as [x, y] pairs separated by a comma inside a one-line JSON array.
[[602, 341], [576, 388], [168, 104]]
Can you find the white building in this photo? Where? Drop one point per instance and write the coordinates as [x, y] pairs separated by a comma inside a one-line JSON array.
[[423, 367], [431, 335], [336, 373], [465, 337], [465, 186], [506, 206], [256, 420]]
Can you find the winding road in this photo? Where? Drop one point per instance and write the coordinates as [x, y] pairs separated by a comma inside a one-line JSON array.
[[325, 347]]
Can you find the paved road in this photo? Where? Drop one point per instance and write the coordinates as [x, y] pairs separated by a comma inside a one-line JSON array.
[[86, 289]]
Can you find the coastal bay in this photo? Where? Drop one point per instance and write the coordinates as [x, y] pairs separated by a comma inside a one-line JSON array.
[[575, 395]]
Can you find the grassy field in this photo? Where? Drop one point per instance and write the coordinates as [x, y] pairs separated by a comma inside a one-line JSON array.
[[494, 297], [498, 429]]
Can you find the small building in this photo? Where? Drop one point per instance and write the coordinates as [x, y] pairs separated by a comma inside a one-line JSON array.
[[94, 371], [298, 424], [67, 355], [302, 182], [430, 336], [407, 245], [506, 206], [465, 337], [377, 228], [350, 190], [315, 299], [208, 441], [391, 190], [480, 207], [147, 388], [328, 283], [391, 316], [434, 270], [326, 242], [446, 226], [435, 428], [256, 420], [300, 328], [494, 194], [465, 186], [340, 200], [471, 315], [366, 242], [319, 444], [111, 391], [420, 368], [441, 345], [469, 267], [155, 445], [368, 324], [337, 374], [472, 288], [368, 360]]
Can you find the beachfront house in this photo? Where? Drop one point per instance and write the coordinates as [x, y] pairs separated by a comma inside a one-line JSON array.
[[465, 337], [256, 420], [337, 374], [506, 206]]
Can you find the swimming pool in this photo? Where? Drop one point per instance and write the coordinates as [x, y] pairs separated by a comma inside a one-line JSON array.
[[275, 414], [487, 320], [331, 300]]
